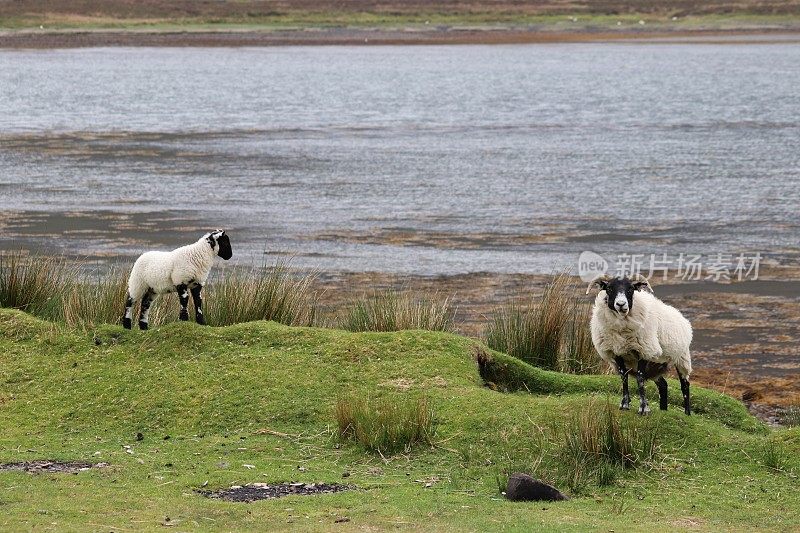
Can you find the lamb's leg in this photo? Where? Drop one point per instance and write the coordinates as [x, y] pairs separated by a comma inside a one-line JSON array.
[[687, 404], [623, 373], [183, 296], [661, 383], [198, 305], [147, 300], [126, 320], [643, 407]]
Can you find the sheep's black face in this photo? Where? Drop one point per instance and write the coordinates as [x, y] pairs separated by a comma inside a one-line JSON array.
[[225, 251], [619, 294], [220, 243]]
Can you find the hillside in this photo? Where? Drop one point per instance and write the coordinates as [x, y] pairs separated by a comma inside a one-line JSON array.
[[254, 402]]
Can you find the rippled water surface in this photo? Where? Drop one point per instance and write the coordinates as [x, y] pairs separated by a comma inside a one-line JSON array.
[[405, 159]]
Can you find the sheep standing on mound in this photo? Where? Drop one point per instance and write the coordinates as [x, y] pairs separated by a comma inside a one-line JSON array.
[[633, 331], [182, 270]]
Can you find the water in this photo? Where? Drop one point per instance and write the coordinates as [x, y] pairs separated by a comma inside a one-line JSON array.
[[414, 160]]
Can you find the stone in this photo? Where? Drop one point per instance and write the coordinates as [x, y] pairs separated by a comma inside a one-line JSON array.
[[524, 488]]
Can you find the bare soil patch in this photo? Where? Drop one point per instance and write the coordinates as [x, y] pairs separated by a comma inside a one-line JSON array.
[[44, 466], [264, 491]]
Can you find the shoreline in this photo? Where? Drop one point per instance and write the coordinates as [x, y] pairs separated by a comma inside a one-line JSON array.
[[364, 36]]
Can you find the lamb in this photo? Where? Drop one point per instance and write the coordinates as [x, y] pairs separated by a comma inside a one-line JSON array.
[[182, 270], [633, 331]]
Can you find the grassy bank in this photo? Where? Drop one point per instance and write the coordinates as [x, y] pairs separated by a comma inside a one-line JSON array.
[[568, 22], [257, 14], [256, 402]]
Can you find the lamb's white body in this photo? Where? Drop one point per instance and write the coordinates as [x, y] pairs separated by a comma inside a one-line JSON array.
[[162, 272], [653, 330], [182, 270]]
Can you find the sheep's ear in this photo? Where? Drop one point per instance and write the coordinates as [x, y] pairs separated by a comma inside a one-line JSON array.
[[639, 285], [602, 284]]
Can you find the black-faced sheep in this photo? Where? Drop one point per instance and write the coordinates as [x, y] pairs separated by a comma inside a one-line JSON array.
[[182, 270], [634, 331]]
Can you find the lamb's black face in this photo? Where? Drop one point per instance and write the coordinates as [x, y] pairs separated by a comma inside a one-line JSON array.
[[619, 293], [225, 251], [220, 242]]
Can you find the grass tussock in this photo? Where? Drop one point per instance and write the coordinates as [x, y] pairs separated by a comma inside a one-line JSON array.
[[34, 284], [394, 311], [598, 442], [268, 293], [385, 426], [791, 416], [96, 298], [550, 331], [592, 447], [774, 455]]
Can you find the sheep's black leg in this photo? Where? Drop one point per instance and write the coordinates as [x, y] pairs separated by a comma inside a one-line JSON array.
[[183, 296], [687, 404], [198, 305], [147, 299], [126, 320], [623, 373], [661, 383], [643, 407]]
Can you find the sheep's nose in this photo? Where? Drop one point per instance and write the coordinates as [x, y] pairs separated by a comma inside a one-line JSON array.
[[621, 306]]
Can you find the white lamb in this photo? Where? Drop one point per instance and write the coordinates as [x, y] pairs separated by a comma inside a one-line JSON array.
[[632, 329], [182, 270]]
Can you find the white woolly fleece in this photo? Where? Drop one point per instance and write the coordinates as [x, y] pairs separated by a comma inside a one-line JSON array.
[[163, 271], [656, 331]]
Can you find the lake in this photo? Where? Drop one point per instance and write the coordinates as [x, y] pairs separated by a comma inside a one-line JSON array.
[[410, 160]]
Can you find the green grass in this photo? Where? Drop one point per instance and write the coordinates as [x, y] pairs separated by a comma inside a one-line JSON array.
[[385, 426], [255, 402]]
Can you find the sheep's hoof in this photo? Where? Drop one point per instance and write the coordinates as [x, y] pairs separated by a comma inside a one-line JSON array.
[[142, 325], [200, 320], [624, 406], [644, 410], [184, 316], [126, 323]]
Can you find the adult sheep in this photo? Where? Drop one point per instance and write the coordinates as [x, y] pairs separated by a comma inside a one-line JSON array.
[[634, 331], [182, 270]]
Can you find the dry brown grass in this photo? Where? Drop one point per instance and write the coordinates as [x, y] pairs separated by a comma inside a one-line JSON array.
[[549, 331], [394, 311]]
